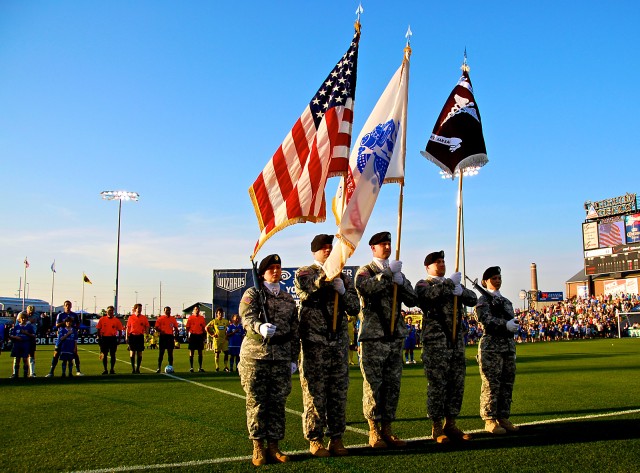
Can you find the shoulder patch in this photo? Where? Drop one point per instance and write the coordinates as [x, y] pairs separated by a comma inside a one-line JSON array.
[[246, 299]]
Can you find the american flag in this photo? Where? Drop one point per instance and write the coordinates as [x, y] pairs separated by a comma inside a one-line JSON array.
[[290, 189], [611, 234]]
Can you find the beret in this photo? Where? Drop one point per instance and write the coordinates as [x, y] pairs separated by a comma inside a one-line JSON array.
[[490, 272], [319, 241], [381, 237], [266, 262], [433, 257]]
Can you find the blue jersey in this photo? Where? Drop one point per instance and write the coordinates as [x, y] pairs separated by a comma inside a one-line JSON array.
[[22, 331], [236, 334], [68, 345], [62, 316]]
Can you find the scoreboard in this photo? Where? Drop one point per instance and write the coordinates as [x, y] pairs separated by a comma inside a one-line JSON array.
[[611, 236]]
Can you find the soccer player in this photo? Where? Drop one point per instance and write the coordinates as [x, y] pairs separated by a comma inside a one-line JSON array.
[[137, 328], [20, 335], [61, 322], [218, 328], [67, 340]]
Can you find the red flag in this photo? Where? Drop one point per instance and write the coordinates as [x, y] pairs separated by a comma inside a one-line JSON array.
[[290, 189]]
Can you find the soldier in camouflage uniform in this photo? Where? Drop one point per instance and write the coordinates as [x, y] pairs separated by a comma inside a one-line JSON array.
[[496, 354], [381, 348], [268, 357], [324, 365], [443, 358]]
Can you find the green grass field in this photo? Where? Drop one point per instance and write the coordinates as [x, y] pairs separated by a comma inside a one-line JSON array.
[[578, 404]]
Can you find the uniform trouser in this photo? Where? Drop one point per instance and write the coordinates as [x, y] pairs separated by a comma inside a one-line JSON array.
[[324, 377], [381, 366], [267, 384], [498, 374], [445, 370]]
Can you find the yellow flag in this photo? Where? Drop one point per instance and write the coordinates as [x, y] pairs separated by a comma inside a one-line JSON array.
[[86, 279]]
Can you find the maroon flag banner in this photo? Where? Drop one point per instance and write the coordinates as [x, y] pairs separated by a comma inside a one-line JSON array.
[[457, 141]]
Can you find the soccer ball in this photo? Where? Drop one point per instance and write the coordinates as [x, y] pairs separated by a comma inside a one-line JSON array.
[[168, 369]]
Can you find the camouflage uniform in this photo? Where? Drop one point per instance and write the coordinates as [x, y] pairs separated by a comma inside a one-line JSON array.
[[381, 352], [497, 358], [324, 368], [444, 362], [265, 369]]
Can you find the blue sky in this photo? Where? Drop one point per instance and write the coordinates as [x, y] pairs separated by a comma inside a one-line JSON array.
[[185, 102]]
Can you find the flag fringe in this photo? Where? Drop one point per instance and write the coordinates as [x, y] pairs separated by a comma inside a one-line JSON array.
[[283, 225], [256, 209], [475, 160]]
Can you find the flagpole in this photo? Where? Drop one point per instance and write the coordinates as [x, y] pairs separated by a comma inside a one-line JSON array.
[[407, 54], [458, 227], [334, 324], [53, 281], [82, 303], [24, 292]]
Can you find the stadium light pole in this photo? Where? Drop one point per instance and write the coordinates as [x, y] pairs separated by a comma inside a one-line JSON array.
[[119, 196]]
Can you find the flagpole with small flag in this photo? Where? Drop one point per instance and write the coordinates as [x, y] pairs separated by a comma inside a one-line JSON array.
[[85, 280], [53, 281], [24, 291], [457, 146]]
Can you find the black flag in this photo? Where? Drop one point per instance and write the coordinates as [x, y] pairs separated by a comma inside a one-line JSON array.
[[457, 141]]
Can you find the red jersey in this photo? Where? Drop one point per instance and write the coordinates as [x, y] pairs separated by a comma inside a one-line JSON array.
[[109, 326], [196, 324], [137, 325], [166, 324]]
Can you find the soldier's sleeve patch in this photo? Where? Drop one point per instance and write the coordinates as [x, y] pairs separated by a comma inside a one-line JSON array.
[[303, 272], [421, 283], [246, 299], [364, 271]]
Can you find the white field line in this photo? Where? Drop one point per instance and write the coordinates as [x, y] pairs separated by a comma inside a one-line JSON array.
[[229, 393], [214, 461]]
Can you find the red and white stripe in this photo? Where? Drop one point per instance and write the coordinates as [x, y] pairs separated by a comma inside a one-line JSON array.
[[290, 189]]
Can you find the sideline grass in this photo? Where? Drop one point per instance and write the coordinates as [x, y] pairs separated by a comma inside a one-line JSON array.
[[120, 421]]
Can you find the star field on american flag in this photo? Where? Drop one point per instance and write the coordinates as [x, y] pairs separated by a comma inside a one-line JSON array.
[[339, 85]]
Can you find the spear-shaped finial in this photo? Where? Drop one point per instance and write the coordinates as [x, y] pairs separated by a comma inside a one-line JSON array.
[[465, 66], [407, 48], [359, 10]]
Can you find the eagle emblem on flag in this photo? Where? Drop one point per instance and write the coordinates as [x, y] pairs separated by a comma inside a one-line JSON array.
[[378, 144]]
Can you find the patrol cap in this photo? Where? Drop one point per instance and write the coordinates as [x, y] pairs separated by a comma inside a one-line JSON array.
[[319, 241], [490, 272], [433, 257], [266, 262], [381, 237]]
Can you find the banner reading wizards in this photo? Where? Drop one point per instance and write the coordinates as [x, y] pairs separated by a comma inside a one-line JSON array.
[[230, 284]]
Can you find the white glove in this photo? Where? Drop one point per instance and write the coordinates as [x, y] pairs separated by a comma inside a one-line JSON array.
[[457, 291], [456, 278], [395, 266], [338, 285], [398, 278], [267, 330], [294, 367], [512, 325]]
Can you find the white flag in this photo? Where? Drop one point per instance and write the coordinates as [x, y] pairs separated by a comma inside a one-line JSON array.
[[377, 158]]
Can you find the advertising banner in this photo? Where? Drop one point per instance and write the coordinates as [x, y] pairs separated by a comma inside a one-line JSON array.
[[230, 284], [632, 228]]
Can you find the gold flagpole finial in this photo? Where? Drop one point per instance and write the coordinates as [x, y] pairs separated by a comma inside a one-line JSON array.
[[407, 48]]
